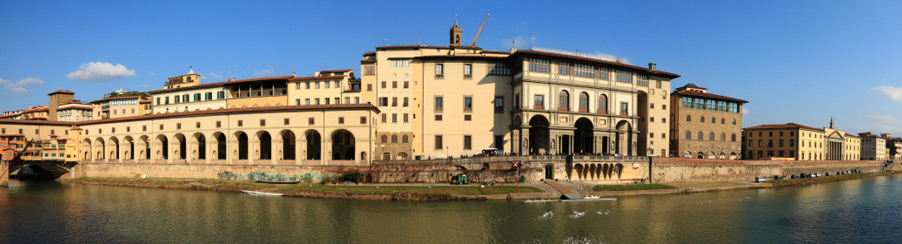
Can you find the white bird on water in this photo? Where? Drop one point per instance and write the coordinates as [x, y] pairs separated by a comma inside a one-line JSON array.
[[577, 214]]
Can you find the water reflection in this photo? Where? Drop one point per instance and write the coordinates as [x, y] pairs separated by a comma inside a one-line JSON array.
[[852, 211]]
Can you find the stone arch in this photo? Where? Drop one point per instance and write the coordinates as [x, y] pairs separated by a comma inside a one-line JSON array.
[[113, 147], [161, 145], [181, 152], [86, 148], [583, 137], [598, 171], [220, 152], [288, 144], [241, 149], [129, 153], [99, 148], [624, 138], [579, 170], [200, 148], [592, 171], [264, 150], [343, 145], [619, 169], [700, 155], [402, 156], [144, 147], [539, 135], [314, 144]]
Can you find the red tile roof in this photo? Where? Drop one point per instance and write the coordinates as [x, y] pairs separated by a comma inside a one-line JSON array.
[[656, 72], [782, 126], [427, 46], [61, 91], [36, 110], [709, 95], [331, 77], [337, 70], [114, 98]]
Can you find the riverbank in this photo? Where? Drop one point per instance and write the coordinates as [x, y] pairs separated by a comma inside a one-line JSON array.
[[402, 192], [696, 187]]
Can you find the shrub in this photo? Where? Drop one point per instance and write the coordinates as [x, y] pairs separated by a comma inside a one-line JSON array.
[[326, 178], [227, 175], [352, 177]]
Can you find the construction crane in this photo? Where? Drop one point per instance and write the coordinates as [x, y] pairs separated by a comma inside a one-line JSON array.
[[17, 158], [480, 30]]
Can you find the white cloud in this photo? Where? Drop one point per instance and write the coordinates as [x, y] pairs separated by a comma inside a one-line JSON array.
[[883, 119], [100, 72], [20, 86], [214, 75], [745, 111], [893, 93], [262, 72], [521, 42]]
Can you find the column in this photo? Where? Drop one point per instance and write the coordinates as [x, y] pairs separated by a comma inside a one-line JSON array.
[[524, 141], [299, 154], [276, 151], [252, 148]]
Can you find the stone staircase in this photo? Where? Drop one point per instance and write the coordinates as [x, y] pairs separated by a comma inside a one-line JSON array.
[[566, 193]]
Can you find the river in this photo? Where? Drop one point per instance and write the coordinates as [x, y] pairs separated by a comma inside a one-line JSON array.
[[857, 211]]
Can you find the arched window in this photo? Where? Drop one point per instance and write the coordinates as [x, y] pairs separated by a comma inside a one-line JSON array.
[[723, 121], [711, 136], [703, 119], [688, 135], [713, 120], [603, 104], [583, 102], [394, 139], [701, 136], [688, 118], [723, 136], [404, 139], [564, 103], [384, 139], [734, 121], [733, 137]]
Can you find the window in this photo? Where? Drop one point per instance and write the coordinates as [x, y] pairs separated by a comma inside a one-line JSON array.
[[394, 118], [297, 102], [711, 136], [468, 117], [563, 68], [384, 118], [702, 119], [439, 105], [733, 137], [468, 143], [688, 118], [316, 84], [384, 139], [263, 122], [384, 85], [369, 87], [240, 123], [603, 73], [583, 70], [499, 69], [701, 136], [564, 101], [369, 70], [394, 102], [362, 120], [539, 102], [406, 84], [438, 142], [583, 102], [624, 109], [311, 120], [624, 76], [723, 136], [439, 71], [468, 71], [404, 139], [603, 104], [438, 117], [499, 104], [394, 138], [394, 84], [197, 97], [642, 80], [307, 101], [316, 101], [405, 118], [178, 99], [400, 62], [539, 65], [383, 102], [468, 104]]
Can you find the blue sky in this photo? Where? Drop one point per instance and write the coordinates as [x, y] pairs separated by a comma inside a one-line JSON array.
[[795, 61]]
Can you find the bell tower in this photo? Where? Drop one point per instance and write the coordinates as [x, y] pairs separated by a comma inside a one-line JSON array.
[[455, 34]]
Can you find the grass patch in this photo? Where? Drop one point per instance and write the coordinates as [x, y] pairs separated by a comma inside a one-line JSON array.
[[634, 187]]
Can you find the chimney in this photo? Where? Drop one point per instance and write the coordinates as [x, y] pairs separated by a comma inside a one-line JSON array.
[[293, 74], [513, 50], [652, 66]]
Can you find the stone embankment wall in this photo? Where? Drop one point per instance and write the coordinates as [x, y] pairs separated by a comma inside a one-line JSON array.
[[482, 169], [4, 173], [687, 169]]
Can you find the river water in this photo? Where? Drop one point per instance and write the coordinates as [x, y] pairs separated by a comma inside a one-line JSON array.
[[858, 211]]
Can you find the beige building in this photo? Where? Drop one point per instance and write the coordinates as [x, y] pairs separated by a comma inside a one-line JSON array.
[[790, 140], [840, 145], [654, 129], [705, 125], [118, 107], [75, 112], [893, 146], [57, 99], [324, 88], [873, 147]]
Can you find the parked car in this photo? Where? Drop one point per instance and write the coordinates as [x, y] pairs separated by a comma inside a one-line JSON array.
[[816, 175], [794, 177], [778, 177], [760, 179], [827, 174]]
